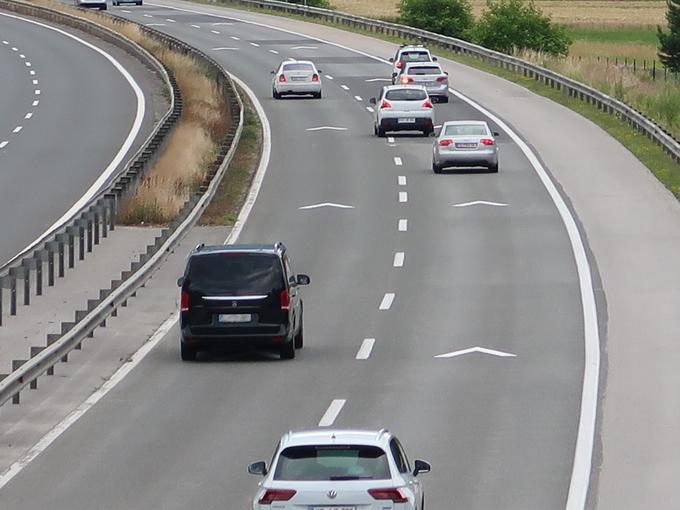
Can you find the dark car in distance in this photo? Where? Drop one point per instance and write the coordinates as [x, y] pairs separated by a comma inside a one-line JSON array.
[[240, 294]]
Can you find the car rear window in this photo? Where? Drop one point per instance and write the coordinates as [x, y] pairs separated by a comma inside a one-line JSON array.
[[298, 67], [424, 70], [406, 94], [235, 273], [415, 56], [469, 130], [336, 462]]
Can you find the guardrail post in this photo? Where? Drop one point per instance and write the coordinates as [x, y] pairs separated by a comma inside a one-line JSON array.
[[12, 291], [51, 247], [89, 228], [61, 243], [111, 200], [99, 219], [71, 232], [26, 267], [39, 259], [81, 239]]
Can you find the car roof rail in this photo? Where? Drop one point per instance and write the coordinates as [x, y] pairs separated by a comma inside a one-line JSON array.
[[279, 246], [382, 432], [199, 247]]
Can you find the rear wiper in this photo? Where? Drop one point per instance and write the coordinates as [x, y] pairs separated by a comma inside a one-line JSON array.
[[347, 477]]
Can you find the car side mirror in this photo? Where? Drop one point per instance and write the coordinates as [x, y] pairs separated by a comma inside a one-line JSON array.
[[303, 279], [434, 59], [373, 101], [421, 467], [446, 73], [391, 59], [319, 71], [272, 72], [496, 134], [180, 281], [258, 468]]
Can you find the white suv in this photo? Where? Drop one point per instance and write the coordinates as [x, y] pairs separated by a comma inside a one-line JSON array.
[[406, 54], [339, 469]]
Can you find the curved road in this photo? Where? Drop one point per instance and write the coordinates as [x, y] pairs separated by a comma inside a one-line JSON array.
[[499, 431], [64, 116]]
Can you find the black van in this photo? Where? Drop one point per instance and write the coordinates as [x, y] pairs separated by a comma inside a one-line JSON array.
[[240, 294]]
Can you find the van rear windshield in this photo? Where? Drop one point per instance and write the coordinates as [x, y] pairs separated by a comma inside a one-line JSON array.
[[235, 273], [406, 94], [333, 462]]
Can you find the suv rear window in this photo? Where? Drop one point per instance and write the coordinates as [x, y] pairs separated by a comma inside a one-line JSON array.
[[415, 56], [298, 67], [423, 70], [406, 94], [235, 273], [336, 462]]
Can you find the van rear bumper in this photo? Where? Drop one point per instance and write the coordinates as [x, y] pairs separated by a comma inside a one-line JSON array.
[[203, 338]]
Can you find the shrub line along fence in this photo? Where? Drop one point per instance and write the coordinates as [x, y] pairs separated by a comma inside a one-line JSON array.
[[573, 88], [101, 213]]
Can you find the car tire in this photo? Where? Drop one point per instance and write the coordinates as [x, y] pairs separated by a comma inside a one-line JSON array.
[[381, 132], [494, 169], [436, 168], [427, 132], [299, 337], [287, 351], [187, 353], [103, 8], [444, 99], [139, 3], [318, 95], [275, 94]]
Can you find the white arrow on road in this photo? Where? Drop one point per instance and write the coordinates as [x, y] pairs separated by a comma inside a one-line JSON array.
[[327, 128], [477, 349], [326, 204], [480, 202]]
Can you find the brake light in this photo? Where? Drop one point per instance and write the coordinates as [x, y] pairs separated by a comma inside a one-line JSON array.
[[486, 141], [442, 79], [428, 103], [282, 78], [400, 64], [406, 80], [184, 302], [285, 300], [445, 142], [315, 77], [385, 104], [394, 495], [271, 495]]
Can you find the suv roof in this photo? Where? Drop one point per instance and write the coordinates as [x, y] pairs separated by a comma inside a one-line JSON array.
[[335, 436], [276, 248]]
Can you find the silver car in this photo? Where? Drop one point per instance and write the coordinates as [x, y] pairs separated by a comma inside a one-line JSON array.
[[97, 4], [296, 77], [339, 470], [403, 108], [465, 143], [430, 75]]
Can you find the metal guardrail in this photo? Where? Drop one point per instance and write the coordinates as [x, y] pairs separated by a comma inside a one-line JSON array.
[[573, 88], [43, 359], [72, 240]]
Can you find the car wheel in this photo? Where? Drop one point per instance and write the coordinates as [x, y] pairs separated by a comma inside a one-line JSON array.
[[299, 338], [444, 99], [103, 8], [275, 94], [381, 132], [427, 132], [187, 353], [139, 3], [494, 168], [318, 95], [288, 350], [436, 168]]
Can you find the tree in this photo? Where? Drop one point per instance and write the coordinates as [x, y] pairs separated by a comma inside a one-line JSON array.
[[508, 25], [446, 17], [669, 42]]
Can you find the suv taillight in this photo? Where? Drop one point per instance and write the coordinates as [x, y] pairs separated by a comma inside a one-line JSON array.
[[282, 79], [271, 495], [428, 104], [445, 142], [486, 141], [285, 299], [184, 302], [385, 104], [395, 495], [406, 80], [315, 77], [442, 79], [400, 64]]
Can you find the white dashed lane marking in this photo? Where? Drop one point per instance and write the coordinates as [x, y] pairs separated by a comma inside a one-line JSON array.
[[170, 20], [370, 109], [255, 44], [28, 115], [36, 102], [403, 197], [146, 15], [35, 82], [28, 64], [196, 26], [332, 413], [274, 52], [358, 98], [235, 38], [366, 348], [398, 161], [3, 144], [215, 32], [403, 225], [401, 180], [387, 301], [17, 129], [37, 92], [344, 87], [398, 259], [329, 77]]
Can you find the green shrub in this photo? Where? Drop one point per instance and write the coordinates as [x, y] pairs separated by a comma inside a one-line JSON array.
[[511, 25], [669, 42], [446, 17]]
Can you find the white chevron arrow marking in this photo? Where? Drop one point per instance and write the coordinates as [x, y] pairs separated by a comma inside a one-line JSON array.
[[327, 128], [480, 202], [483, 350], [326, 204]]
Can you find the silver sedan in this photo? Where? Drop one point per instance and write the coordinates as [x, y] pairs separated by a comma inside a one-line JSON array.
[[465, 143]]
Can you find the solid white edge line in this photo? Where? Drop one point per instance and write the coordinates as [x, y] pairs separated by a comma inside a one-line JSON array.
[[332, 412], [75, 415], [365, 349], [387, 301], [125, 146], [398, 259], [403, 225]]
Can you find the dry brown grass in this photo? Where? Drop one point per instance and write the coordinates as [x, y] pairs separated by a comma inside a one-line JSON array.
[[600, 12]]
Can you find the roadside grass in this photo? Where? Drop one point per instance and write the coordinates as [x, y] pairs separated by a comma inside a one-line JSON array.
[[663, 106], [192, 145], [233, 190]]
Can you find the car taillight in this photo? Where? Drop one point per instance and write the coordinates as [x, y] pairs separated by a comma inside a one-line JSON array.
[[486, 141], [184, 302], [315, 77], [428, 104], [385, 104], [406, 80], [271, 495], [394, 495], [445, 142], [442, 79], [400, 64], [285, 299], [282, 79]]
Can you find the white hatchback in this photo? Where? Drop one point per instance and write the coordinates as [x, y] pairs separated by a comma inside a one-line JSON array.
[[339, 470]]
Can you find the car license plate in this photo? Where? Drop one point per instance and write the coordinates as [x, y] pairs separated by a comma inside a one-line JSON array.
[[407, 120], [298, 78], [234, 317], [466, 145], [332, 508]]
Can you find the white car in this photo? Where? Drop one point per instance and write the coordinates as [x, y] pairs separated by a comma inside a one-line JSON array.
[[339, 470], [97, 4], [409, 53], [403, 108], [296, 77]]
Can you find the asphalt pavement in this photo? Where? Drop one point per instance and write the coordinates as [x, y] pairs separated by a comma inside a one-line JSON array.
[[500, 431]]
